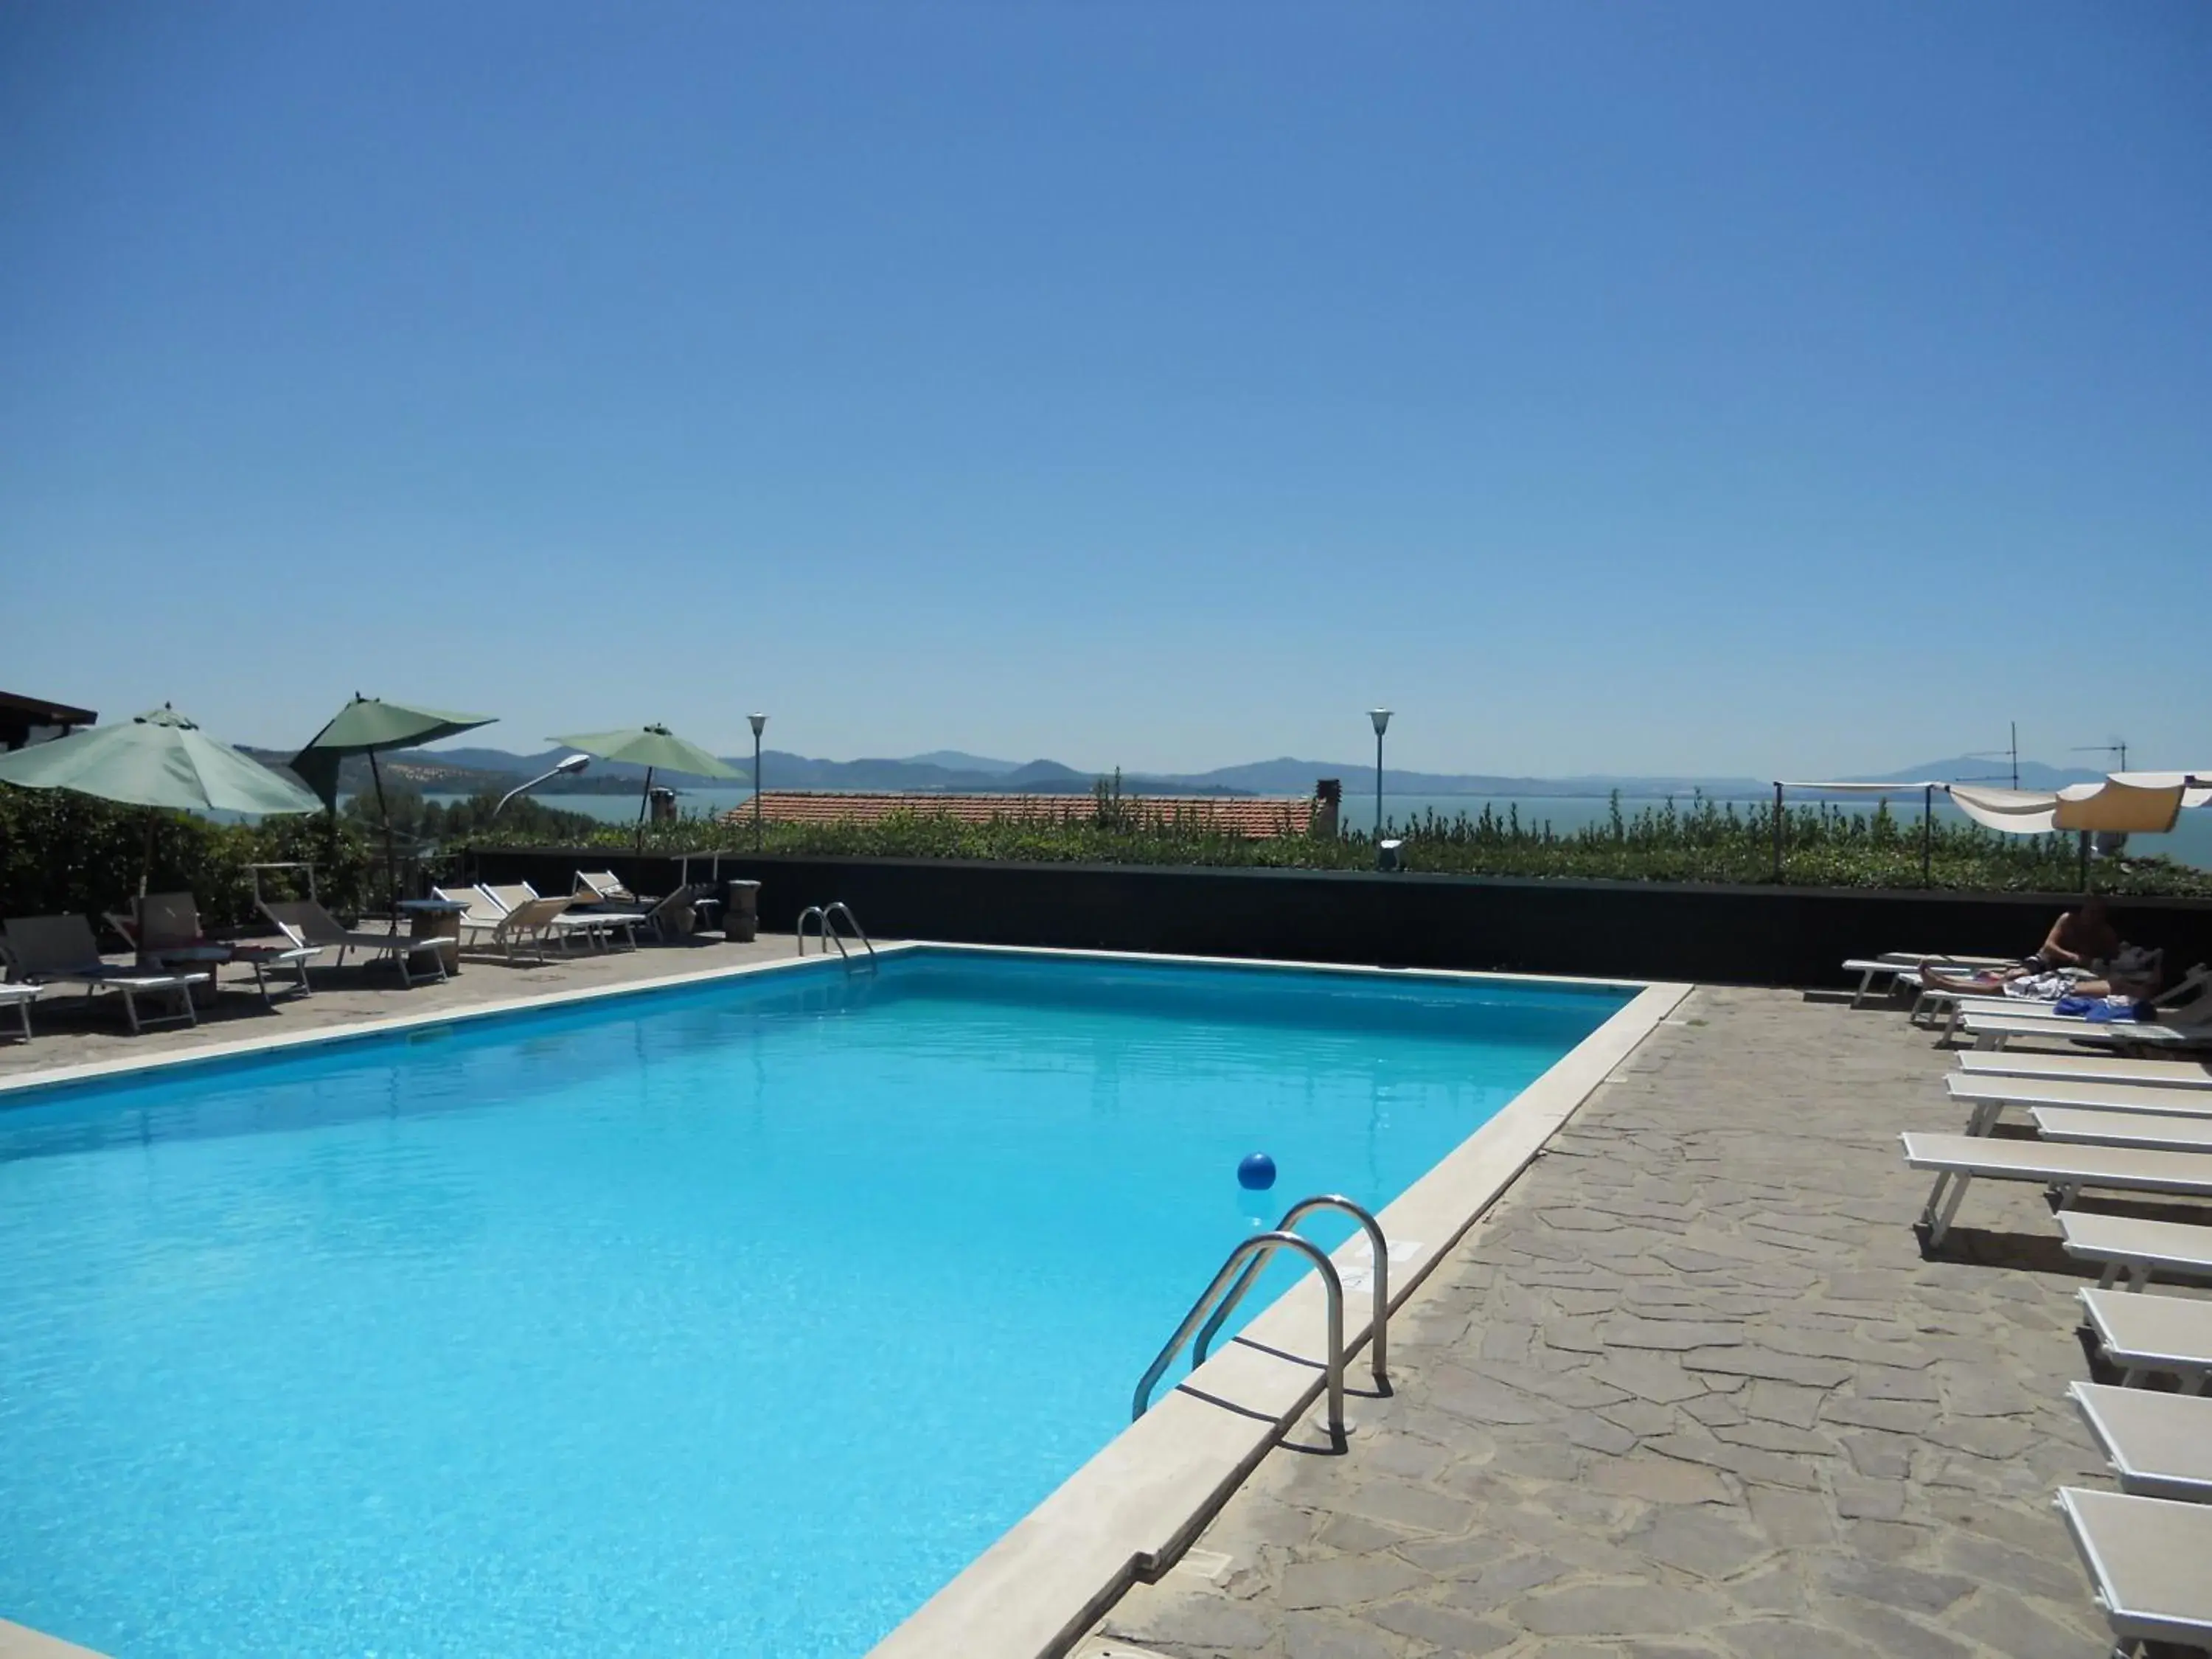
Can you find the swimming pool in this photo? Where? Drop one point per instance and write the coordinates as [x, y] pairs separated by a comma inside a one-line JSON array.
[[726, 1319]]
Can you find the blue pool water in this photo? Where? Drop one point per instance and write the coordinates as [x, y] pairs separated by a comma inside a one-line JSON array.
[[727, 1320]]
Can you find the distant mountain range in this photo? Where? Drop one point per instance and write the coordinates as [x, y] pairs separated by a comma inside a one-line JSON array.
[[472, 770]]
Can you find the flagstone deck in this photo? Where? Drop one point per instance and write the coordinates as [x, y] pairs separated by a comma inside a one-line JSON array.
[[1691, 1389]]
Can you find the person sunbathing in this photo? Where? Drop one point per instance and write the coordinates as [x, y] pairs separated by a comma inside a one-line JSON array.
[[2030, 981], [2065, 964], [2081, 938]]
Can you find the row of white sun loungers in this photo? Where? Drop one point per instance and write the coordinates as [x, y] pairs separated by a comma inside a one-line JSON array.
[[2138, 1127]]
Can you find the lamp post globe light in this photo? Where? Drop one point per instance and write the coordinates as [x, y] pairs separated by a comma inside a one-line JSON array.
[[1382, 719], [758, 722]]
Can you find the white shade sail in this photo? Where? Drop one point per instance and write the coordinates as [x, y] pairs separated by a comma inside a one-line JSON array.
[[2131, 802]]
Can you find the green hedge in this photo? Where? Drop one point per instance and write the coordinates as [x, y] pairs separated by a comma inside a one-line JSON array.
[[1825, 845], [61, 853]]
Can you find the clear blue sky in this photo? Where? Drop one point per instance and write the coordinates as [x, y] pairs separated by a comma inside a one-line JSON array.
[[1747, 388]]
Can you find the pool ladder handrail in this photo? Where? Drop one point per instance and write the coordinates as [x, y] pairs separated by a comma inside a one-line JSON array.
[[825, 916], [1242, 1267], [1378, 1346]]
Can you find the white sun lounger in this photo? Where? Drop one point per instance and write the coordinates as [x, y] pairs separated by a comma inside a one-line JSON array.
[[306, 922], [2170, 1334], [2146, 1558], [667, 916], [2178, 1072], [1994, 1031], [1891, 974], [1990, 1095], [1903, 968], [20, 998], [1964, 1004], [596, 929], [2159, 1445], [486, 920], [1956, 1159], [604, 887], [2159, 1131], [2136, 1246]]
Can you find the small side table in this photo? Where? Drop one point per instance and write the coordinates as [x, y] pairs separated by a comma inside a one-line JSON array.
[[431, 918]]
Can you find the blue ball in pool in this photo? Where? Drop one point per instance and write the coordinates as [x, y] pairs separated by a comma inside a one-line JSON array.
[[1256, 1173]]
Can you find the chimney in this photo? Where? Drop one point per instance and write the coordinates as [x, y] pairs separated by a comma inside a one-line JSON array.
[[1329, 795]]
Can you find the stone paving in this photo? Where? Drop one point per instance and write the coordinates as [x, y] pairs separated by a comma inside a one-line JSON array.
[[1691, 1390], [70, 1030]]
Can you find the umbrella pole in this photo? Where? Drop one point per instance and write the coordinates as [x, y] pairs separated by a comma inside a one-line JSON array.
[[391, 858], [146, 865], [643, 801]]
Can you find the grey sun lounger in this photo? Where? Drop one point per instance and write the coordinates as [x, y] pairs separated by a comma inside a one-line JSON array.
[[2178, 1072], [2146, 1560], [1956, 1159], [2137, 1247], [2169, 1334], [62, 950], [2159, 1445], [306, 922], [1990, 1095]]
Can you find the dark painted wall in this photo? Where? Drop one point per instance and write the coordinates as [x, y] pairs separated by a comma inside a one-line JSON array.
[[1742, 935]]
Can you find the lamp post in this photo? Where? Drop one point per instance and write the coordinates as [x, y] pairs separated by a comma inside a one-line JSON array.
[[568, 767], [757, 721], [1382, 719]]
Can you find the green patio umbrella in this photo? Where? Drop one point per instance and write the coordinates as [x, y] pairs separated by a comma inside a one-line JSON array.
[[655, 748], [160, 759], [368, 726]]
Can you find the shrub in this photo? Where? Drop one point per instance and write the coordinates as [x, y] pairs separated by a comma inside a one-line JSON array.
[[61, 853]]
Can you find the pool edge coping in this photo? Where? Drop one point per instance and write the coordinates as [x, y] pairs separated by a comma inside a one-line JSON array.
[[281, 1043], [278, 1042], [21, 1642], [1133, 1509]]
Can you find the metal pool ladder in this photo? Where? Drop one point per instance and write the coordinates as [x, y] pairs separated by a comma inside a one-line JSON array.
[[1238, 1273], [825, 917]]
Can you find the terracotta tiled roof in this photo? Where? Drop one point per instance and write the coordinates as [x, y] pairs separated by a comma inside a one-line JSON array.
[[1255, 818]]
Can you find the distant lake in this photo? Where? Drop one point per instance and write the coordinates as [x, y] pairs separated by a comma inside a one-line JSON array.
[[2190, 843]]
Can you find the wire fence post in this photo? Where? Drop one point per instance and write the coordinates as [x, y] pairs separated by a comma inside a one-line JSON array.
[[1777, 834]]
